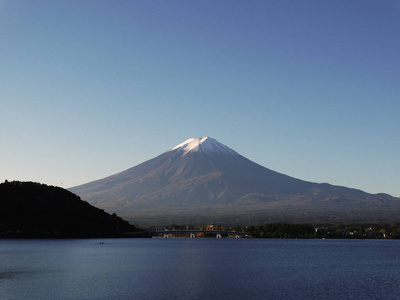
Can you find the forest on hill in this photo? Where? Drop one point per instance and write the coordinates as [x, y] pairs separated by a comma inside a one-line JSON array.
[[324, 231], [29, 209]]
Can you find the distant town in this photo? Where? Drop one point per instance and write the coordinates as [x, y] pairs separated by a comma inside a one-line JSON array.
[[286, 231]]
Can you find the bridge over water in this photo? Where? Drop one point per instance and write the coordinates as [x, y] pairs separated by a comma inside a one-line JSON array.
[[193, 233]]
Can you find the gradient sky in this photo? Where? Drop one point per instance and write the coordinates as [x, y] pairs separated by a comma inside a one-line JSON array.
[[310, 89]]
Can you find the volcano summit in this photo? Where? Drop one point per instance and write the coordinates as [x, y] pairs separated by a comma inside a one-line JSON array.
[[202, 180]]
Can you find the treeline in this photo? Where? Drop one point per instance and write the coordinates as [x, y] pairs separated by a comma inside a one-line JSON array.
[[308, 231], [29, 209], [359, 231], [332, 231], [281, 231]]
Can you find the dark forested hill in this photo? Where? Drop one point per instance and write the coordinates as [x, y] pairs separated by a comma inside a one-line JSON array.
[[31, 209]]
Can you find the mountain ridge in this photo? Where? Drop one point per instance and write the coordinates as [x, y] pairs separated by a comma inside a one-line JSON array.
[[203, 145], [29, 209], [204, 180]]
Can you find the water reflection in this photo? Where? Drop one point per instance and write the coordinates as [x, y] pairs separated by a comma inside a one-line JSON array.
[[199, 269]]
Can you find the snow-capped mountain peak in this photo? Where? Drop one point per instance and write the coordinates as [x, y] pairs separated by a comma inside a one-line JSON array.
[[203, 145]]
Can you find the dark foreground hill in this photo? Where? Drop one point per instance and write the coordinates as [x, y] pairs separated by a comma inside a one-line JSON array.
[[30, 209], [202, 180]]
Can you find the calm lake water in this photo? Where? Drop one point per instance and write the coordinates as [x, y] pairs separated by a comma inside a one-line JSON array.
[[182, 268]]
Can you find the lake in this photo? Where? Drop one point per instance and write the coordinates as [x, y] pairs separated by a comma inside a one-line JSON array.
[[183, 268]]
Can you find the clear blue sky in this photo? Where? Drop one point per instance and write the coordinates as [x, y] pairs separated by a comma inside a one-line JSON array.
[[310, 89]]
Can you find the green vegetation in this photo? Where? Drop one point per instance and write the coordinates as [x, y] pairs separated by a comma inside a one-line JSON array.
[[335, 231], [29, 209], [308, 231], [282, 230]]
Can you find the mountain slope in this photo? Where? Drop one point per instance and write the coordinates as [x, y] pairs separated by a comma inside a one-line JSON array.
[[202, 180], [30, 209]]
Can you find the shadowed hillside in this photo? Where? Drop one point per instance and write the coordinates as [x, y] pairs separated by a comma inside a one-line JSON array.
[[30, 209]]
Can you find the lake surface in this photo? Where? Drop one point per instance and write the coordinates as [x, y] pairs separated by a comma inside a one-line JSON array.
[[182, 268]]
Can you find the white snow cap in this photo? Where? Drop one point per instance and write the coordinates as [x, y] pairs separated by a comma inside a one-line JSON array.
[[204, 145]]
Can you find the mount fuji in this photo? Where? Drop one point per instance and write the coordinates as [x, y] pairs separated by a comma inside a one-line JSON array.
[[202, 180]]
